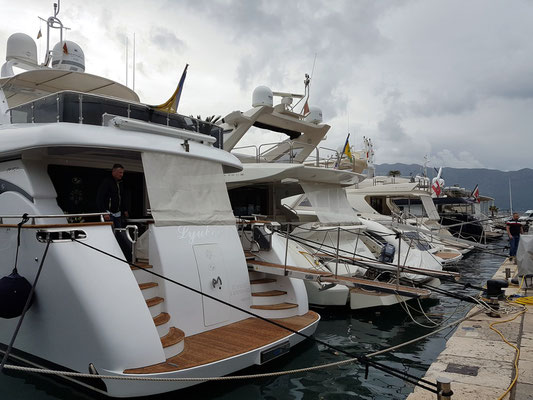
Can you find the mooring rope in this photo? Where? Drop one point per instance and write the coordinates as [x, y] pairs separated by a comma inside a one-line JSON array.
[[425, 384], [238, 377]]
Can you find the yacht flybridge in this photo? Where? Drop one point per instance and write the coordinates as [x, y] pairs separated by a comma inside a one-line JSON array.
[[183, 308]]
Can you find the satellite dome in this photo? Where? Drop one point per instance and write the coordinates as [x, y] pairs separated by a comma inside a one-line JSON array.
[[262, 96], [314, 116], [21, 47], [68, 56]]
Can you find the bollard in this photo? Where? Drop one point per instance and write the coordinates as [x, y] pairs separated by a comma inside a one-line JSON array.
[[507, 273], [444, 388]]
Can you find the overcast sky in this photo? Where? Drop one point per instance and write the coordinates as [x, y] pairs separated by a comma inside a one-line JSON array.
[[449, 79]]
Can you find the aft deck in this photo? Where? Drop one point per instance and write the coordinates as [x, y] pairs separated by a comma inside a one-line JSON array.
[[228, 341]]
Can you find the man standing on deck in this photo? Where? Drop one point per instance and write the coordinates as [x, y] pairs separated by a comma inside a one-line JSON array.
[[514, 229], [110, 197]]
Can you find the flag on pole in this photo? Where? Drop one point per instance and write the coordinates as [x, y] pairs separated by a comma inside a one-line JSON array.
[[436, 187], [475, 194], [39, 34], [305, 110], [347, 150], [171, 105]]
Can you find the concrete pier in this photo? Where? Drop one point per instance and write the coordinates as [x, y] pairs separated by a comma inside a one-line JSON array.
[[477, 360]]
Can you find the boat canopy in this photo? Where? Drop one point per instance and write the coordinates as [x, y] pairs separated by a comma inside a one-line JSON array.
[[30, 85]]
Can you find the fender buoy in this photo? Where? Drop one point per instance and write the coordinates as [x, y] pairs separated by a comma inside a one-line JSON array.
[[14, 292]]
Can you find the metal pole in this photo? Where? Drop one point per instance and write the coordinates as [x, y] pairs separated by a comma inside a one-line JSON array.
[[444, 388], [356, 244], [337, 258], [399, 261], [287, 246]]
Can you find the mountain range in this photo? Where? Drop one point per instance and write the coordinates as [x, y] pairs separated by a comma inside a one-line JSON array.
[[493, 183]]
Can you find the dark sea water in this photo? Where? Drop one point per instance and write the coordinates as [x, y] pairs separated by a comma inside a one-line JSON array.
[[356, 332]]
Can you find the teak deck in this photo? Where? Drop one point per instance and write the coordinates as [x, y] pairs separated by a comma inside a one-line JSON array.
[[228, 341]]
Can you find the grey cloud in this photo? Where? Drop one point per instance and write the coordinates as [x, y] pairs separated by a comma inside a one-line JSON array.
[[166, 40], [390, 127], [279, 35]]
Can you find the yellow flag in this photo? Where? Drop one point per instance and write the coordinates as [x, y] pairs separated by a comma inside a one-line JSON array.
[[347, 150]]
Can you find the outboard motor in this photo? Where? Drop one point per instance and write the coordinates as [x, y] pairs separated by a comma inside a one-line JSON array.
[[387, 253], [14, 292]]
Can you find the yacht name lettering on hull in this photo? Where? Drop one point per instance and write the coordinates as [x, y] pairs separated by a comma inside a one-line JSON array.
[[185, 232]]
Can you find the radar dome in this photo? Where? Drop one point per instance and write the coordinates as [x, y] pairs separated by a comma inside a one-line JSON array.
[[21, 47], [314, 116], [262, 96], [68, 56]]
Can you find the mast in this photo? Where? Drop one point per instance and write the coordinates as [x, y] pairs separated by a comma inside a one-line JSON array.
[[54, 23]]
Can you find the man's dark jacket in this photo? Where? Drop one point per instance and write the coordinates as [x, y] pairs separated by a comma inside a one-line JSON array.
[[111, 196]]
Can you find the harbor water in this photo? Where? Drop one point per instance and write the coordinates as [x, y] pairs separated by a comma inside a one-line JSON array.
[[356, 332]]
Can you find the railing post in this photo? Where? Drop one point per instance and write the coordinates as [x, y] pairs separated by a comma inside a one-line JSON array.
[[337, 258], [287, 246], [291, 156], [57, 108], [399, 261], [80, 99]]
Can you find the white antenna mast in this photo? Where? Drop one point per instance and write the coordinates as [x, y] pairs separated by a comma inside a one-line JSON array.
[[134, 61], [127, 61]]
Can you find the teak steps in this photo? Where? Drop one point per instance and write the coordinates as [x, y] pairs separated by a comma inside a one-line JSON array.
[[280, 306], [172, 338]]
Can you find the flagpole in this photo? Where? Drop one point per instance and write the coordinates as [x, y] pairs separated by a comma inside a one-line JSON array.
[[127, 61], [133, 73]]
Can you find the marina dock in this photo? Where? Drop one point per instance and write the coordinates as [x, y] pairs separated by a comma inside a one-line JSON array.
[[477, 360]]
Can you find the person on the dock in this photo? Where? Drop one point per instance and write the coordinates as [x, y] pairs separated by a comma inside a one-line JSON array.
[[514, 229], [111, 197]]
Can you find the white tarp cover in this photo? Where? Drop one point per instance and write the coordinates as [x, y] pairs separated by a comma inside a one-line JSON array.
[[524, 255], [186, 191], [431, 210], [329, 202]]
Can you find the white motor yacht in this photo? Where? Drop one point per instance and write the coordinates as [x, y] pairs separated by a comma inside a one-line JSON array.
[[407, 205], [61, 130], [270, 177]]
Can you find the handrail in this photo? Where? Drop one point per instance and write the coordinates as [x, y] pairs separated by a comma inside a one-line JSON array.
[[56, 226], [142, 126], [44, 216], [247, 147], [96, 214], [291, 144]]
